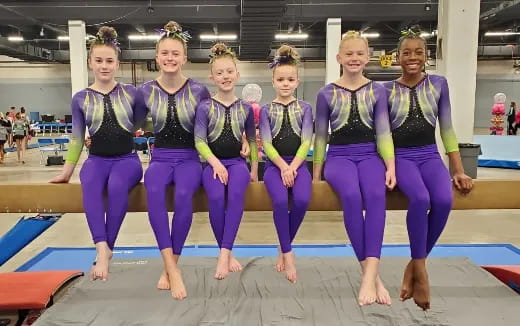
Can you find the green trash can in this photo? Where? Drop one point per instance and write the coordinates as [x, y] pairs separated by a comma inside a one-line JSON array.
[[469, 154]]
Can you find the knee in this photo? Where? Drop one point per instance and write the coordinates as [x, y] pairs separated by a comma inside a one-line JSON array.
[[216, 196], [184, 194], [301, 200], [280, 203], [350, 195], [154, 189], [443, 203], [420, 200], [236, 195], [375, 194]]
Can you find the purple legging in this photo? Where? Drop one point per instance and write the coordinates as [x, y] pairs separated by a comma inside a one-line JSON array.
[[116, 176], [357, 175], [424, 179], [288, 221], [182, 168], [225, 213]]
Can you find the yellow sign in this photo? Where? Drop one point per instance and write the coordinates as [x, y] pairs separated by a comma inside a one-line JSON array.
[[386, 60]]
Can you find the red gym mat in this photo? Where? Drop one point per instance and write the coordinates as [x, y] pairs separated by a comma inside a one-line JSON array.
[[31, 290], [508, 274]]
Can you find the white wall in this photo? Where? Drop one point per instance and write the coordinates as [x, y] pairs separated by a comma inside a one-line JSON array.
[[46, 87], [494, 77]]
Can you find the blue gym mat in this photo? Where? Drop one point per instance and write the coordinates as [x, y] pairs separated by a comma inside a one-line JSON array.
[[23, 232], [499, 151], [82, 258], [13, 149]]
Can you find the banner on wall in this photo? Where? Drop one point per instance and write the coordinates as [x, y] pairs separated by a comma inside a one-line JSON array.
[[386, 60]]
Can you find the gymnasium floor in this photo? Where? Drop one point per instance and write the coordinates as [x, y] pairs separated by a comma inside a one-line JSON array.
[[464, 227]]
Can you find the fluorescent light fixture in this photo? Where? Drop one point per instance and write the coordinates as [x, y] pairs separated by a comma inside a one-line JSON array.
[[286, 36], [139, 37], [221, 37], [426, 34], [15, 38], [66, 38], [370, 35], [501, 33]]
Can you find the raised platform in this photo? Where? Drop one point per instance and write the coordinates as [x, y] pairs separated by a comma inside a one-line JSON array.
[[66, 198]]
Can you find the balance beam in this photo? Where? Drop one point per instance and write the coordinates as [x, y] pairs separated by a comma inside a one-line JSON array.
[[66, 198]]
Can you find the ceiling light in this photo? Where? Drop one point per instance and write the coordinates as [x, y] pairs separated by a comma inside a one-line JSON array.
[[286, 36], [218, 37], [370, 35], [427, 5], [15, 38], [140, 37], [63, 38], [501, 33], [426, 34]]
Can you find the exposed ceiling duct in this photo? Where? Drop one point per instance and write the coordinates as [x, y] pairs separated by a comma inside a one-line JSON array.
[[259, 21]]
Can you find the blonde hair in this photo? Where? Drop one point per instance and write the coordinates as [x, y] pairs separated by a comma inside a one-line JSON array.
[[352, 35], [286, 55], [106, 36], [172, 30], [220, 50], [1, 115]]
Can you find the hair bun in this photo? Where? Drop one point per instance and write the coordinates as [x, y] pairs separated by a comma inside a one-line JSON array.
[[288, 51], [173, 27], [219, 49], [107, 34], [351, 34]]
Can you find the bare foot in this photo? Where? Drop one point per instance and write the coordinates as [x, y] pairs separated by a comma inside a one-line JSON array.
[[421, 286], [280, 266], [367, 291], [407, 285], [234, 265], [99, 270], [222, 264], [383, 297], [176, 284], [164, 282], [290, 268]]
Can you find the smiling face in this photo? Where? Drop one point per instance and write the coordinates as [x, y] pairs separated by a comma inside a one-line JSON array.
[[353, 55], [224, 73], [170, 55], [285, 80], [104, 63], [412, 55]]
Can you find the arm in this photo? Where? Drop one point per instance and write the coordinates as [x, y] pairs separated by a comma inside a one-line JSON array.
[[251, 139], [267, 140], [385, 144], [320, 139], [306, 138], [76, 143], [201, 142], [462, 182]]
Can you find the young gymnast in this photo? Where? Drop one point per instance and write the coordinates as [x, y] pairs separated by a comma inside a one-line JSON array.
[[109, 110], [286, 132], [360, 146], [416, 101], [220, 123]]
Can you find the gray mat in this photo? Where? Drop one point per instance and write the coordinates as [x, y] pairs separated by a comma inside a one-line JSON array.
[[325, 295]]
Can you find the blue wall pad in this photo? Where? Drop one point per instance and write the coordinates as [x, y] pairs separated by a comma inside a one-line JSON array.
[[499, 151], [27, 229], [82, 258]]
